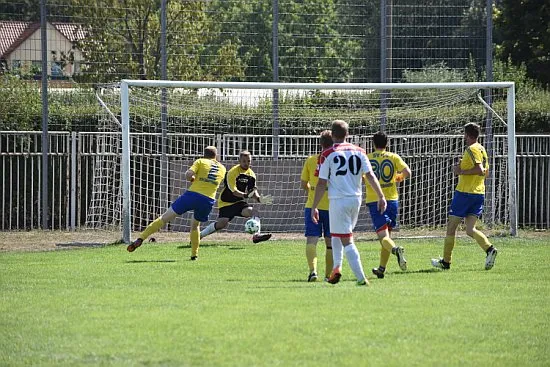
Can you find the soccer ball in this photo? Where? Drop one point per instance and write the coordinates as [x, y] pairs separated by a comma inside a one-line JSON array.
[[252, 226]]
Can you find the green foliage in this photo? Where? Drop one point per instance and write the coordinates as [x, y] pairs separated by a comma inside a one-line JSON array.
[[21, 103], [250, 305], [523, 37]]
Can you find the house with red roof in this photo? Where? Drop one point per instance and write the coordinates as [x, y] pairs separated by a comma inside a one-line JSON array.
[[20, 48]]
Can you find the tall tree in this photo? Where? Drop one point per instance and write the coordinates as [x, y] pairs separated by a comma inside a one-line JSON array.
[[123, 40], [523, 35]]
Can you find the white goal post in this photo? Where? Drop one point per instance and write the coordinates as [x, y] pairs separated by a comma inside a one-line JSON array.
[[423, 120]]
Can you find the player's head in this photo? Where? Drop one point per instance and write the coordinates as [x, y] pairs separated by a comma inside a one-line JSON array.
[[325, 139], [339, 130], [244, 159], [471, 131], [210, 152], [380, 140]]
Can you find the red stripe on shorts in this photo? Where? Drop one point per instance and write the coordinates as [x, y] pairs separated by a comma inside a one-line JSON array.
[[341, 235]]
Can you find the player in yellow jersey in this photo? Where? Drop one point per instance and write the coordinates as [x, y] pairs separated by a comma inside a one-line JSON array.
[[390, 169], [239, 184], [315, 230], [205, 176], [468, 199]]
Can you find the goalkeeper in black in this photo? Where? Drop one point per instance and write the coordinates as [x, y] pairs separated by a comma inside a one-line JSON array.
[[239, 184]]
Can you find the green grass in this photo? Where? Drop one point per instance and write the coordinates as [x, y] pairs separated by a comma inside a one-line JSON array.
[[249, 305]]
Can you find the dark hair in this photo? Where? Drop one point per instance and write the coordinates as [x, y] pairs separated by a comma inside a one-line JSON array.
[[472, 130], [380, 140], [339, 129], [210, 152], [326, 139]]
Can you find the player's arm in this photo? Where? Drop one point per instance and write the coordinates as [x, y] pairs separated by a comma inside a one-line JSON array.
[[304, 178], [232, 184], [403, 174], [191, 173], [478, 170], [305, 186], [319, 191], [475, 158]]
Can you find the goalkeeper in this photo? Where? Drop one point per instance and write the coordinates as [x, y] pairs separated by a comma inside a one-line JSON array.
[[205, 175], [239, 184]]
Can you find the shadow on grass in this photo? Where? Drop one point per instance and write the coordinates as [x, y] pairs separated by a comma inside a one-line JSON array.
[[214, 245], [149, 261], [420, 271], [81, 244]]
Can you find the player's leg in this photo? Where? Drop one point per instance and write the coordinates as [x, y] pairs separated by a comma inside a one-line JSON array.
[[226, 214], [482, 240], [201, 211], [312, 233], [457, 212], [153, 227], [251, 212], [194, 235], [325, 222], [218, 225], [329, 260], [351, 213]]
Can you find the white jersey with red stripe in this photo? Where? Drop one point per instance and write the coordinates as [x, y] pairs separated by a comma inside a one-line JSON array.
[[343, 166]]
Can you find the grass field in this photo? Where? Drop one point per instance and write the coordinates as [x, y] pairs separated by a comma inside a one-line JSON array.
[[249, 305]]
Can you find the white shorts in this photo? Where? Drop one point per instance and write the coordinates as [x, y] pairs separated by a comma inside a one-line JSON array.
[[343, 213]]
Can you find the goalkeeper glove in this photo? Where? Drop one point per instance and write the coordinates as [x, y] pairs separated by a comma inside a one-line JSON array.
[[266, 199], [399, 177]]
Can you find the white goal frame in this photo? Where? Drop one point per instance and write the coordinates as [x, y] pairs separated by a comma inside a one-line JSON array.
[[125, 115]]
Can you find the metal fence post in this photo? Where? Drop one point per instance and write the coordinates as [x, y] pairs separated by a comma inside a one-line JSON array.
[[45, 148]]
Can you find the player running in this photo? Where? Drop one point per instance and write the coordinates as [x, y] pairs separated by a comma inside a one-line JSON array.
[[389, 168], [342, 166], [205, 176], [468, 199]]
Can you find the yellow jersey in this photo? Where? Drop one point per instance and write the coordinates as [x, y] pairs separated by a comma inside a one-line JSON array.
[[473, 184], [209, 174], [385, 166], [237, 178], [308, 174]]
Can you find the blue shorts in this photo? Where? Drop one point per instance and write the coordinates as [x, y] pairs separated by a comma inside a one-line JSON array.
[[200, 205], [386, 220], [465, 204], [315, 230]]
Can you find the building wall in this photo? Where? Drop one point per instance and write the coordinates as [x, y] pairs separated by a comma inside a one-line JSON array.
[[29, 52]]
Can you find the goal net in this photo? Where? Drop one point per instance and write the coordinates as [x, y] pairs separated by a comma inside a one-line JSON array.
[[153, 130]]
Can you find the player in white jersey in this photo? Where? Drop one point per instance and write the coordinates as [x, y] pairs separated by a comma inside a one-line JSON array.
[[342, 166]]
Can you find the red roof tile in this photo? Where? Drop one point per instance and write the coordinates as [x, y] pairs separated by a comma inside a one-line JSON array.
[[13, 33]]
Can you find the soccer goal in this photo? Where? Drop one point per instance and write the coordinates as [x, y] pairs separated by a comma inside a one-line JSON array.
[[153, 130]]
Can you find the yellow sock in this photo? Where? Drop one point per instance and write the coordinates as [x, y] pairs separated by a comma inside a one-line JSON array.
[[387, 243], [448, 248], [153, 227], [384, 257], [195, 240], [311, 255], [481, 239], [328, 262]]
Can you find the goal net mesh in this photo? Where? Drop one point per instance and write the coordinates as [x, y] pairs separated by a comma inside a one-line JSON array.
[[169, 128]]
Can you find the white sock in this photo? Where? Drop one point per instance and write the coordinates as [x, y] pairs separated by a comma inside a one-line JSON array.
[[337, 252], [354, 260], [209, 229]]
